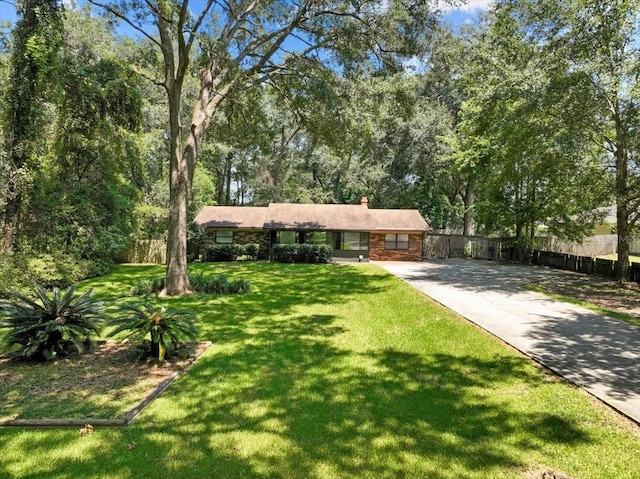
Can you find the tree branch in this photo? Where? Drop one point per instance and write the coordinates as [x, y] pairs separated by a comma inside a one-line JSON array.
[[124, 18]]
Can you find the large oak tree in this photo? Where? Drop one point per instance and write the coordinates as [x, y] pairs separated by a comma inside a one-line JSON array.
[[240, 44]]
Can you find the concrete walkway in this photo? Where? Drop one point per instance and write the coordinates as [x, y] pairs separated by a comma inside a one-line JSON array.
[[599, 354]]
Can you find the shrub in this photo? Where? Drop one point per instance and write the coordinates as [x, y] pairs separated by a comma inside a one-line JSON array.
[[10, 277], [252, 250], [156, 329], [53, 270], [208, 284], [224, 252], [239, 286], [147, 286], [48, 327], [284, 253], [98, 267], [302, 253], [323, 253], [214, 284]]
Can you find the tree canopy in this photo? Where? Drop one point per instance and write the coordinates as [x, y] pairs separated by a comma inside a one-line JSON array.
[[522, 125]]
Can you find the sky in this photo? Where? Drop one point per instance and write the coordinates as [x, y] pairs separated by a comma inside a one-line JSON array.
[[465, 13], [456, 16]]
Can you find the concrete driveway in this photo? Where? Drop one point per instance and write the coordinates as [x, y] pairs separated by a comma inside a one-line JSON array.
[[597, 353]]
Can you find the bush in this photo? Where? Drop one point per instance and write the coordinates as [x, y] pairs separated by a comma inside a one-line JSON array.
[[53, 270], [208, 284], [10, 274], [98, 267], [239, 286], [323, 253], [147, 286], [224, 252], [252, 250], [302, 253], [20, 270], [214, 284], [285, 253], [48, 327], [156, 329]]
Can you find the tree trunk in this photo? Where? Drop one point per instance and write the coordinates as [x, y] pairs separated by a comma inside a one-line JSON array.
[[227, 174], [622, 199], [176, 279], [11, 223], [183, 164], [622, 215], [469, 226]]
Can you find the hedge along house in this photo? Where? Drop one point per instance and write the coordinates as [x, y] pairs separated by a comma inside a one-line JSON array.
[[351, 230]]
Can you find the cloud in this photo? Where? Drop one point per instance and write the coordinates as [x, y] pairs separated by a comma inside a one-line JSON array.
[[470, 6]]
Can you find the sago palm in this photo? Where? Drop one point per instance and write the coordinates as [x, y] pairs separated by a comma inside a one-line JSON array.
[[49, 326], [160, 327]]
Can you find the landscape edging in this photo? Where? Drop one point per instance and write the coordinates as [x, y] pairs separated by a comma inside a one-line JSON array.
[[114, 422]]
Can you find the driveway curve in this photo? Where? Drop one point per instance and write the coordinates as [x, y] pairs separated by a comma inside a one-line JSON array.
[[593, 351]]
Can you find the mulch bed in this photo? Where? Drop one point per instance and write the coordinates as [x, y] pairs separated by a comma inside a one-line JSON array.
[[111, 377]]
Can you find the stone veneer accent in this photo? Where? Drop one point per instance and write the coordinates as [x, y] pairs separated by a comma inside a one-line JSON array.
[[378, 253]]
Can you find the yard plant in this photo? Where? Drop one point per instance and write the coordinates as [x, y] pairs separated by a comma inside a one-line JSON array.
[[49, 325], [200, 282], [336, 371], [158, 329]]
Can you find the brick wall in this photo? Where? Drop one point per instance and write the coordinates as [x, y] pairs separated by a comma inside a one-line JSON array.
[[378, 253]]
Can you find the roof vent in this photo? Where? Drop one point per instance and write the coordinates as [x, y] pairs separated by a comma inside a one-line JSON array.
[[364, 201]]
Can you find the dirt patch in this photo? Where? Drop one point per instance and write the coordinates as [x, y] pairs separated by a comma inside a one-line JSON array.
[[620, 297], [106, 382]]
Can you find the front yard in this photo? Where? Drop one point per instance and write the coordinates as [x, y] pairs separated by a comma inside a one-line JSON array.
[[329, 371]]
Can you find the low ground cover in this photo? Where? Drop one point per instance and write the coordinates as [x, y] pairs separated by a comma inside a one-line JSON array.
[[337, 371], [619, 300]]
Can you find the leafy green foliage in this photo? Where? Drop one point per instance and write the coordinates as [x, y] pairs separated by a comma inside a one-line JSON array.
[[530, 158], [76, 156], [201, 283], [156, 329], [147, 286], [252, 250], [302, 253], [56, 269], [229, 252], [218, 284], [590, 55], [49, 326], [37, 39], [224, 252]]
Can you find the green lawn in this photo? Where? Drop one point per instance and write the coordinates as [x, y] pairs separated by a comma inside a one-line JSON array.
[[338, 371], [614, 257]]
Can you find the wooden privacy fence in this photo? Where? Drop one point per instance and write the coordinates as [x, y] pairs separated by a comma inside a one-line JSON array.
[[461, 246], [598, 245], [582, 264], [152, 251]]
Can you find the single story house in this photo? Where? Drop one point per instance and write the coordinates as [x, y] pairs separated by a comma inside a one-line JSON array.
[[352, 230]]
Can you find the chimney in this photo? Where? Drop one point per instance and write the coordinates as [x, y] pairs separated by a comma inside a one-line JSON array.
[[364, 201]]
